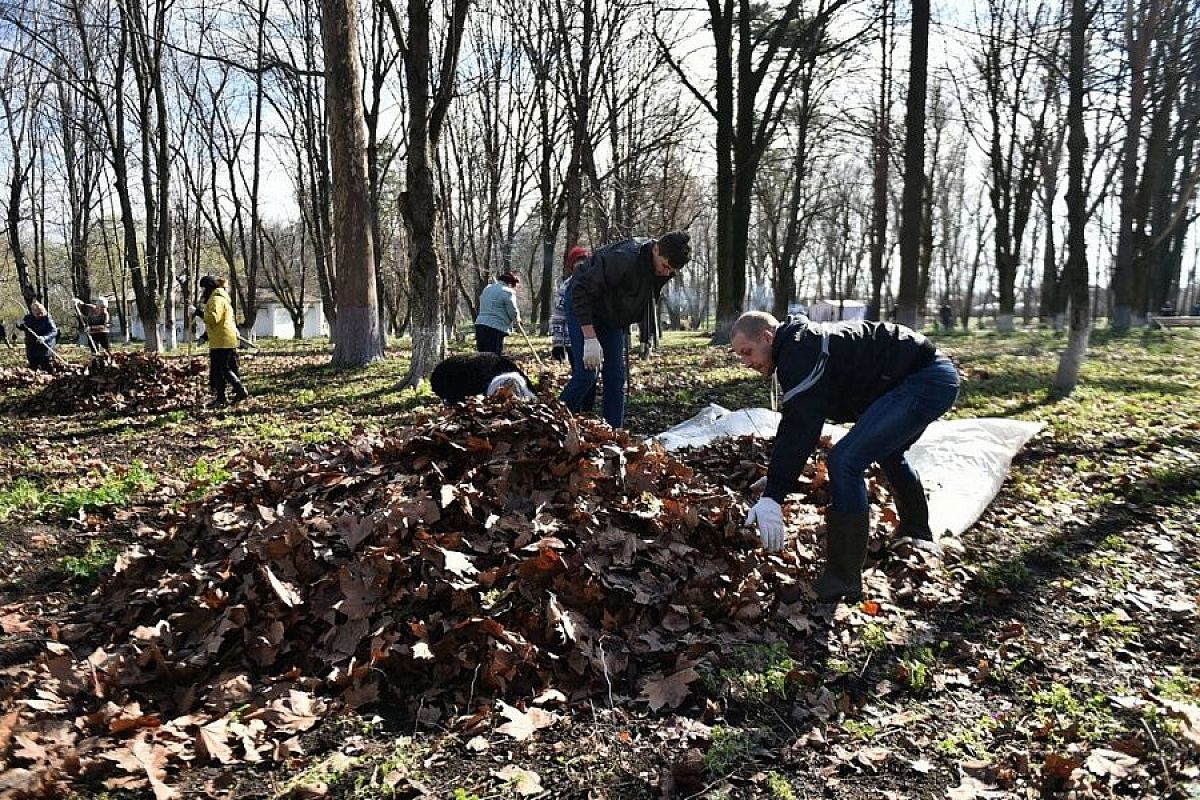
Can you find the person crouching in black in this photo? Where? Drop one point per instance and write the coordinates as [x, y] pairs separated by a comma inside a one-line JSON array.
[[465, 375]]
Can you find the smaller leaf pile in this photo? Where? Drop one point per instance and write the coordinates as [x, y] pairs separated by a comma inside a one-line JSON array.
[[120, 382], [497, 550], [21, 377], [740, 462]]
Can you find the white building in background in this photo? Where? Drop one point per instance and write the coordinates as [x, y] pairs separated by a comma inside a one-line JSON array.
[[832, 310], [271, 321]]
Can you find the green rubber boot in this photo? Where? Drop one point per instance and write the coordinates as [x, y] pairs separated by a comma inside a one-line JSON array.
[[845, 552], [913, 510]]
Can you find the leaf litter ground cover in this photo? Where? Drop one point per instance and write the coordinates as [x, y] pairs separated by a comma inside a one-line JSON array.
[[1050, 657]]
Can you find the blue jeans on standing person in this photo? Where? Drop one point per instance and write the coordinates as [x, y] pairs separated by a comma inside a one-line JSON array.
[[886, 430], [583, 381]]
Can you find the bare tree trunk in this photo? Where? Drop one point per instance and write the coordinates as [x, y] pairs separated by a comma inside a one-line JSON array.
[[1140, 21], [912, 206], [419, 203], [1075, 278], [881, 145], [358, 341], [18, 176]]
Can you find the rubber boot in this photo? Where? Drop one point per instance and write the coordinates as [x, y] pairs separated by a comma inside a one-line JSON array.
[[913, 510], [845, 552], [239, 389]]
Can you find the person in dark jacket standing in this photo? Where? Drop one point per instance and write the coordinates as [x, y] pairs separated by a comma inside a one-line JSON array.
[[41, 335], [610, 291], [887, 379]]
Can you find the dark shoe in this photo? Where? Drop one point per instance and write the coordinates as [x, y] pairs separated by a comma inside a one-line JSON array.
[[219, 402], [845, 552], [238, 398]]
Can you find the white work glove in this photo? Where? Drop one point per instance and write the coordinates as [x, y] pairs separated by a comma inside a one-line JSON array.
[[769, 516], [593, 354]]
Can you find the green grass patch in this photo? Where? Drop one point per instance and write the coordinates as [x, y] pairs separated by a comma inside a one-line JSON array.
[[1068, 717], [974, 741], [1178, 686], [780, 788], [20, 497], [113, 490], [760, 673], [729, 747], [91, 566], [116, 490]]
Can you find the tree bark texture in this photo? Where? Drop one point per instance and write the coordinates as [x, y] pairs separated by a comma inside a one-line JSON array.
[[357, 341], [912, 205], [1075, 276]]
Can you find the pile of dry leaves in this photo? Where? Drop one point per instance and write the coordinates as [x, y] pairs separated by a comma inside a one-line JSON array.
[[118, 382], [20, 377], [492, 552]]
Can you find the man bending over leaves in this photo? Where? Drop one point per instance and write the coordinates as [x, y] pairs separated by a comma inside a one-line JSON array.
[[887, 379]]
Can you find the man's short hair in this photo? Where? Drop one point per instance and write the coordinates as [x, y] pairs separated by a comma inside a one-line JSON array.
[[752, 324], [675, 248]]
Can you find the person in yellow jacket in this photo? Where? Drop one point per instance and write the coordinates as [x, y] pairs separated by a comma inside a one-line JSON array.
[[222, 336]]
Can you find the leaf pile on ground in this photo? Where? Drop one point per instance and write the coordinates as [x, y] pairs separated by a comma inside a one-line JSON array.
[[20, 377], [122, 382], [496, 550]]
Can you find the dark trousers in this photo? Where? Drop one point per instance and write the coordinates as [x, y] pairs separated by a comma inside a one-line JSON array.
[[886, 430], [489, 339], [223, 371], [100, 342], [580, 392]]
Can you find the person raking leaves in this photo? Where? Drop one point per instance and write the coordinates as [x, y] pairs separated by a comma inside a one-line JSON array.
[[95, 316], [221, 333], [890, 381], [41, 335]]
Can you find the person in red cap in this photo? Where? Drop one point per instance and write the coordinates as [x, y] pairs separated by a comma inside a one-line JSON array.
[[498, 313], [559, 339]]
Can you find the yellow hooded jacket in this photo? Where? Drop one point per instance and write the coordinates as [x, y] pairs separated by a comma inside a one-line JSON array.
[[218, 321]]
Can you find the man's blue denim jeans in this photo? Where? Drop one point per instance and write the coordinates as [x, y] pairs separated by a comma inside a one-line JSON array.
[[582, 385], [886, 430]]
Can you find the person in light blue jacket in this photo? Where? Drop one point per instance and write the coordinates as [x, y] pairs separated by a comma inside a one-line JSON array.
[[497, 314]]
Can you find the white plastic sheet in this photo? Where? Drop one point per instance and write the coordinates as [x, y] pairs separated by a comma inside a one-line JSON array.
[[962, 462]]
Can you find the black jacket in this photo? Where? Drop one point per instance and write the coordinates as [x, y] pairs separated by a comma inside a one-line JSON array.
[[865, 360], [616, 284], [35, 327]]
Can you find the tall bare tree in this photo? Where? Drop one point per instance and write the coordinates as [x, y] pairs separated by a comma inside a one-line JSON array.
[[430, 88], [1142, 21], [758, 51], [881, 155], [1075, 276], [17, 94], [912, 205], [357, 340]]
